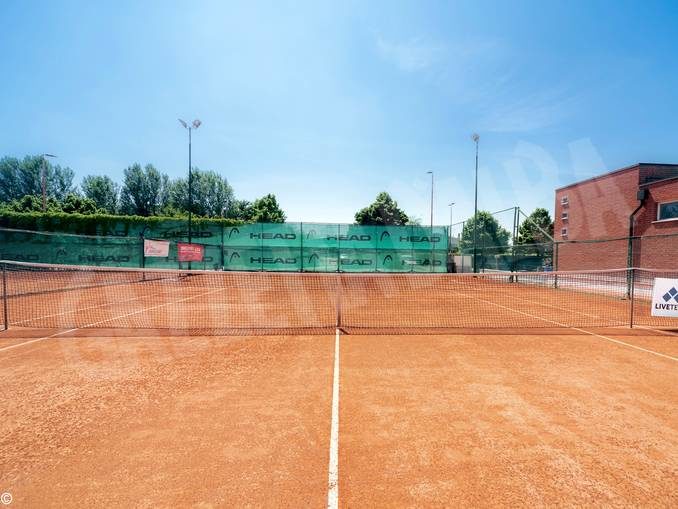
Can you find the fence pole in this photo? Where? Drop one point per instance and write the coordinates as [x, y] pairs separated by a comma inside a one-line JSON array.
[[301, 248], [338, 299], [633, 286], [629, 265], [516, 221], [5, 313], [338, 247], [222, 247], [555, 263]]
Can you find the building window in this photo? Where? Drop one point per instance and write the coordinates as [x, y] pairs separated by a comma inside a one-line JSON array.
[[563, 232], [564, 200], [564, 216], [667, 211]]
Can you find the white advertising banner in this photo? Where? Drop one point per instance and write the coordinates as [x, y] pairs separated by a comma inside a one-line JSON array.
[[665, 297], [159, 248]]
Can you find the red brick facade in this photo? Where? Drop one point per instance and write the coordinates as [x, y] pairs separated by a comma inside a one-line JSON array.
[[599, 208]]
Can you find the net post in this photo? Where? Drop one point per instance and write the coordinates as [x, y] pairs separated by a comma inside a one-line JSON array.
[[632, 278], [5, 313]]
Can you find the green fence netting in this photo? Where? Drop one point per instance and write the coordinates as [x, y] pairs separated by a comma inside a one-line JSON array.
[[312, 247], [63, 248]]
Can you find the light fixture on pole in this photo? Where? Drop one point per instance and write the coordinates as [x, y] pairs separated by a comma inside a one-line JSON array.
[[475, 137], [43, 180], [196, 123], [451, 204]]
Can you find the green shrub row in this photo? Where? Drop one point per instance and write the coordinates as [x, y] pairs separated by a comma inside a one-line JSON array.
[[96, 224]]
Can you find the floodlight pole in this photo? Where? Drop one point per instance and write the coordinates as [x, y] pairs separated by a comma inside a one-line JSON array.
[[449, 236], [475, 138], [43, 180], [431, 235], [190, 187], [196, 123]]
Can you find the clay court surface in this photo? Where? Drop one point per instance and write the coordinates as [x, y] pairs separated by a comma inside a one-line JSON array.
[[163, 389], [504, 418]]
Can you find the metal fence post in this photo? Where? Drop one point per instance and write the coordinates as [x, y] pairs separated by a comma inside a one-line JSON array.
[[554, 263], [338, 298], [301, 246], [632, 291], [5, 312]]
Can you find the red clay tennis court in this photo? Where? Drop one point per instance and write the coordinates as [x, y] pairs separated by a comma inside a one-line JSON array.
[[166, 388]]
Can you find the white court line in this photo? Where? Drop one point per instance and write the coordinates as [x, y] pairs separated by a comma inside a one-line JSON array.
[[644, 327], [577, 329], [560, 308], [108, 320], [89, 307], [333, 476]]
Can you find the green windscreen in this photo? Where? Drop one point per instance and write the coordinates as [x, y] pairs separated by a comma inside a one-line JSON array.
[[308, 247]]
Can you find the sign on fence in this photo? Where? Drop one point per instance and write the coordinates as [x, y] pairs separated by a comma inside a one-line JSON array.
[[665, 297], [190, 252], [158, 248]]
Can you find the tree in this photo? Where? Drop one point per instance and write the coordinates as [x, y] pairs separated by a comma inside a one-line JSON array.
[[212, 194], [532, 230], [31, 203], [490, 234], [267, 210], [102, 191], [240, 209], [384, 211], [144, 191], [19, 178], [60, 182], [75, 204], [10, 186]]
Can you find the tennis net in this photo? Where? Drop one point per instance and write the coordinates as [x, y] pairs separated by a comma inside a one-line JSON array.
[[208, 302]]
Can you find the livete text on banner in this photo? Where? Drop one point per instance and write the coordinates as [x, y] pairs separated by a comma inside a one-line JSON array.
[[665, 297]]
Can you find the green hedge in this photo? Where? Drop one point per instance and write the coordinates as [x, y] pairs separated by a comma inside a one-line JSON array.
[[98, 224]]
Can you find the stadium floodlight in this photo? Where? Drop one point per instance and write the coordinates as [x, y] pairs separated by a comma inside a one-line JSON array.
[[196, 123], [431, 236], [43, 180], [475, 137]]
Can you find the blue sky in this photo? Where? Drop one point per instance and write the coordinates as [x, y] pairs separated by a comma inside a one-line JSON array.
[[327, 103]]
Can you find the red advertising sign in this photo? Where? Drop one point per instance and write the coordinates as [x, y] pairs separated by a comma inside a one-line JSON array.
[[190, 252]]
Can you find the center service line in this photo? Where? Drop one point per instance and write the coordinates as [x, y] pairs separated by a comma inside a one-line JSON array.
[[333, 477]]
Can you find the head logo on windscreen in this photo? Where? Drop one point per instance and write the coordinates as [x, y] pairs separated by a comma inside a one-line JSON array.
[[311, 234], [671, 294], [234, 255], [387, 259], [313, 259], [384, 234], [233, 230]]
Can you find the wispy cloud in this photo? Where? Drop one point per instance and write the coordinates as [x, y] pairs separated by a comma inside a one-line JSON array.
[[528, 114], [410, 56]]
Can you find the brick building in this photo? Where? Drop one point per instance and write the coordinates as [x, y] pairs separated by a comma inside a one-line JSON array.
[[600, 208]]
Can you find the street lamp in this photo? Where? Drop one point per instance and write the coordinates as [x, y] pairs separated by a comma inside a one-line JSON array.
[[43, 180], [196, 123], [451, 204], [475, 137]]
